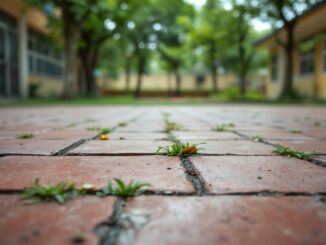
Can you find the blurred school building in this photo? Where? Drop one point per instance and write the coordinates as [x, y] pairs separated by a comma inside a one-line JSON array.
[[309, 55], [26, 56], [31, 65]]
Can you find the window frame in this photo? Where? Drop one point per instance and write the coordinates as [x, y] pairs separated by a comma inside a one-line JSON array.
[[43, 60]]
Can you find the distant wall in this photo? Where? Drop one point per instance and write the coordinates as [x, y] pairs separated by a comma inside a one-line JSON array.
[[165, 83]]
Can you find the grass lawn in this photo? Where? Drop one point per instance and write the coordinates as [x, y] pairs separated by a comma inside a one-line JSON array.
[[231, 95], [129, 100]]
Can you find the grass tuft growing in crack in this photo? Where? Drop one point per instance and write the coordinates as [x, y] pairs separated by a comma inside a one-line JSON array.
[[122, 189], [100, 130], [172, 126], [179, 149], [289, 152], [59, 193], [256, 138], [25, 136], [223, 127], [295, 131], [122, 124]]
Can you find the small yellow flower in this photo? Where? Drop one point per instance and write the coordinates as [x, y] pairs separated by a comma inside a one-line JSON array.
[[104, 137]]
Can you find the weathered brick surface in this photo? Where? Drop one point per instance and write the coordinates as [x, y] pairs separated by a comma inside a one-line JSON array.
[[304, 145], [34, 146], [277, 134], [51, 223], [119, 147], [225, 220], [137, 136], [161, 172], [236, 147], [224, 174], [253, 197], [206, 135]]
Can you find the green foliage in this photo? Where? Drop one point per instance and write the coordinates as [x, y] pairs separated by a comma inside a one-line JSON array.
[[179, 149], [59, 193], [123, 190], [25, 136], [287, 151]]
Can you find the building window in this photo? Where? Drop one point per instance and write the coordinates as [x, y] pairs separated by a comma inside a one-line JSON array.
[[325, 54], [9, 84], [307, 56], [274, 67], [43, 60]]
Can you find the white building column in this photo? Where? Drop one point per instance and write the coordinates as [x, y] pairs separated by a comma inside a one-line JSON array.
[[23, 56]]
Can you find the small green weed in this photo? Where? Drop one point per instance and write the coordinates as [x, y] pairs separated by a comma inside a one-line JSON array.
[[172, 138], [178, 149], [289, 152], [122, 124], [219, 128], [295, 131], [166, 114], [223, 127], [100, 130], [257, 138], [25, 136], [105, 130], [59, 193], [172, 126], [123, 190]]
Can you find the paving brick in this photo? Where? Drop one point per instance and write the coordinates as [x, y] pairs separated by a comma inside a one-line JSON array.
[[234, 147], [205, 135], [137, 136], [223, 174], [277, 134], [50, 223], [224, 220], [316, 132], [66, 134], [304, 145], [33, 146], [119, 147], [163, 173]]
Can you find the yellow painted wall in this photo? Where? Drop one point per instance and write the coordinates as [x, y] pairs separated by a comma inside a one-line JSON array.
[[165, 83], [35, 18], [312, 85], [320, 75], [273, 88], [48, 86], [38, 21]]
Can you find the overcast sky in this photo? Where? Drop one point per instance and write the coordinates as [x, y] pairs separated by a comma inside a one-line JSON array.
[[258, 25]]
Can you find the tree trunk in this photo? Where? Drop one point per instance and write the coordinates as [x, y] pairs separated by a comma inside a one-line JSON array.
[[242, 70], [214, 68], [140, 72], [288, 75], [178, 82], [69, 86], [127, 71]]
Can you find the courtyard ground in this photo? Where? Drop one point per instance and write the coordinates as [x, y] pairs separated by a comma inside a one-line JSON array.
[[236, 191]]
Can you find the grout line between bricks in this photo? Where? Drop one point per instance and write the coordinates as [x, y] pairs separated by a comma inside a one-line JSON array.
[[109, 231], [193, 194]]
